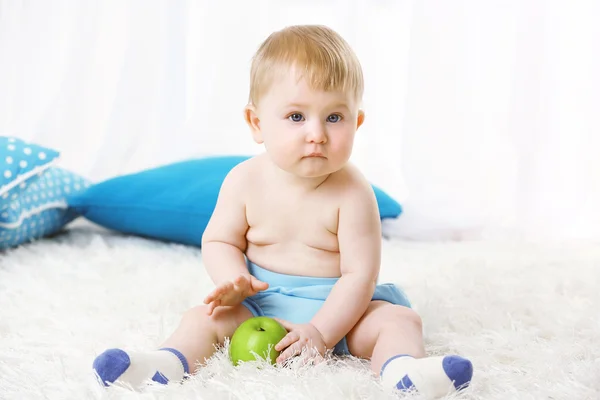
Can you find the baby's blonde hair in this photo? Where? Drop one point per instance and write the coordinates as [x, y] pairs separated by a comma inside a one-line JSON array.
[[318, 54]]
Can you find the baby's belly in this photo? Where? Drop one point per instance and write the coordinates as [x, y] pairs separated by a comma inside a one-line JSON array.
[[295, 259]]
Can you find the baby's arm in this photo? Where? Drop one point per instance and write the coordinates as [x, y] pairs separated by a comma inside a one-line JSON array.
[[224, 244], [224, 239], [359, 236]]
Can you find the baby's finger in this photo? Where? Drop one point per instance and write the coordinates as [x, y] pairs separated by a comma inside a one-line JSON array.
[[287, 340], [213, 305], [214, 295], [290, 352], [210, 297], [257, 285], [310, 357], [223, 289]]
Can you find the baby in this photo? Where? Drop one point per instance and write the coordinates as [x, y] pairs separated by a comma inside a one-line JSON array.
[[296, 235]]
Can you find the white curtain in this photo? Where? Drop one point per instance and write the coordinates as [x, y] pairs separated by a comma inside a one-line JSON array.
[[482, 116]]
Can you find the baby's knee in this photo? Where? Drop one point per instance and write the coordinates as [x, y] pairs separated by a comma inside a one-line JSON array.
[[402, 315], [222, 322], [197, 319], [197, 315]]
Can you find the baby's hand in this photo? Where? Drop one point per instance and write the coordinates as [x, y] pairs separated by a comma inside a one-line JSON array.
[[233, 293], [300, 337]]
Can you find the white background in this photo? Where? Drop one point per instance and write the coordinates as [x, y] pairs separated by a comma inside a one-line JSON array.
[[482, 116]]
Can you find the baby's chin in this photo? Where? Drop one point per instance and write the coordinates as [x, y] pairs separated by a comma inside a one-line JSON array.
[[314, 171], [308, 168]]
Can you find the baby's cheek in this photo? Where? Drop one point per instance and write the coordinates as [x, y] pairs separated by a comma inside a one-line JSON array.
[[283, 151], [287, 145], [342, 146]]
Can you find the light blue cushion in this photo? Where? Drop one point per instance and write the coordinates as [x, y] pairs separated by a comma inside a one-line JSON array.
[[173, 202], [20, 164], [41, 209]]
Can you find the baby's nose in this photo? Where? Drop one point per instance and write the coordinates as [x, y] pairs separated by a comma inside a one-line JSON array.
[[316, 134]]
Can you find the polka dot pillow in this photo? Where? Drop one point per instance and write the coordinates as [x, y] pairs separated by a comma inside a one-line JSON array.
[[20, 164], [41, 209]]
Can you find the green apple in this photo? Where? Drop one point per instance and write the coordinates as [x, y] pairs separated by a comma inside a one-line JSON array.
[[256, 335]]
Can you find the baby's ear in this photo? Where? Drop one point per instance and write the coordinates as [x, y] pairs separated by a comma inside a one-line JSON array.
[[360, 119], [253, 122]]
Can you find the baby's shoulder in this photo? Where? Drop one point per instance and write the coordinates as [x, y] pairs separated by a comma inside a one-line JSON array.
[[349, 180], [242, 175], [353, 191]]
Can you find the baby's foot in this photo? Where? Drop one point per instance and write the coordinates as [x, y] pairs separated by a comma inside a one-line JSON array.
[[135, 368], [433, 376]]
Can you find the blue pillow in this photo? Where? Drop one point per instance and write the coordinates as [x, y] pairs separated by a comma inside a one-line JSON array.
[[20, 164], [173, 202], [41, 209]]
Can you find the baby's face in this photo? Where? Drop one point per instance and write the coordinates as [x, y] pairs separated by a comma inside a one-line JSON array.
[[307, 132]]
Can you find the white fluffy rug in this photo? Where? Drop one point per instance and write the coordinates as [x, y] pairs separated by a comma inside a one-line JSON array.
[[527, 316]]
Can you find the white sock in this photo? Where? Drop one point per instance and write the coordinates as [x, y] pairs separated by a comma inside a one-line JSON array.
[[432, 376], [136, 368]]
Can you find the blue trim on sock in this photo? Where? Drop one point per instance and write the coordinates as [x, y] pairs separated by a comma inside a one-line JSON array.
[[393, 358], [181, 357], [110, 365], [459, 370], [160, 378], [405, 384]]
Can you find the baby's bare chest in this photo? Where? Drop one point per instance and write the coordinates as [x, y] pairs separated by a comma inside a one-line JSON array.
[[278, 218]]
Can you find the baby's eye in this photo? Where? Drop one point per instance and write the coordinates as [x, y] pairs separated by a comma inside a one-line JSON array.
[[334, 118], [295, 117]]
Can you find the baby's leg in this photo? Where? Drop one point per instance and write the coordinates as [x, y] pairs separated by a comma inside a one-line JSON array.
[[190, 345], [391, 336]]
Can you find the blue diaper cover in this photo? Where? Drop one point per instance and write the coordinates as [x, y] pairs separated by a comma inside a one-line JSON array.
[[297, 298]]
